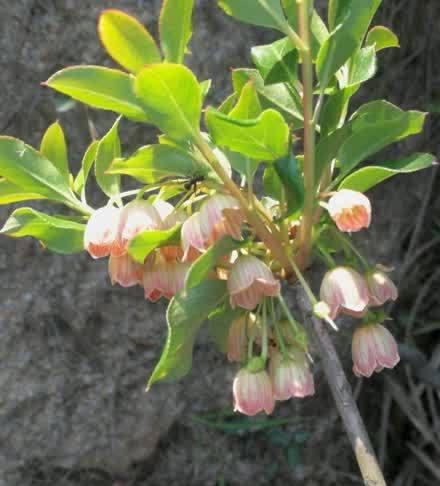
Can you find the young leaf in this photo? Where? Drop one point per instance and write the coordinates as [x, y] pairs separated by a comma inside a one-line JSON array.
[[86, 164], [248, 104], [109, 149], [346, 39], [147, 241], [100, 87], [26, 168], [57, 234], [291, 12], [381, 38], [186, 313], [279, 96], [328, 148], [335, 109], [127, 41], [265, 138], [201, 268], [265, 13], [153, 163], [337, 11], [172, 99], [291, 179], [53, 147], [277, 62], [363, 66], [10, 193], [368, 138], [368, 177], [175, 28]]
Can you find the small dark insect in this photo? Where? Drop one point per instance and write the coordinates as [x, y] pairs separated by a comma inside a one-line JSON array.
[[192, 183]]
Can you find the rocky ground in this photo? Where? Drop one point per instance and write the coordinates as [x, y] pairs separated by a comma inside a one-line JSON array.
[[75, 352]]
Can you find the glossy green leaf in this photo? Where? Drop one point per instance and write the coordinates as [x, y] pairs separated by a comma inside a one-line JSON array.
[[337, 11], [205, 86], [328, 148], [219, 323], [86, 164], [28, 169], [363, 66], [100, 87], [265, 138], [376, 130], [10, 193], [185, 315], [153, 163], [248, 105], [277, 62], [335, 109], [109, 149], [172, 99], [175, 28], [382, 38], [346, 39], [126, 40], [201, 268], [288, 171], [54, 148], [280, 96], [147, 241], [265, 13], [55, 233], [367, 177]]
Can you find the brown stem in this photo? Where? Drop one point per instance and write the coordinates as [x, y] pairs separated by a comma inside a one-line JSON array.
[[342, 394]]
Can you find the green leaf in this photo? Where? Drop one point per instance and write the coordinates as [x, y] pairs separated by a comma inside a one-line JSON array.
[[265, 138], [277, 62], [376, 130], [328, 148], [280, 96], [54, 148], [248, 104], [219, 323], [127, 41], [109, 149], [172, 99], [153, 163], [205, 86], [335, 109], [346, 39], [185, 315], [10, 193], [175, 28], [26, 168], [86, 165], [381, 38], [100, 87], [201, 268], [363, 66], [337, 11], [147, 241], [55, 233], [291, 12], [265, 13], [291, 179], [367, 177]]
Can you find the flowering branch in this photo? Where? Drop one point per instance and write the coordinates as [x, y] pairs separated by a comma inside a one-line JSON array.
[[341, 390]]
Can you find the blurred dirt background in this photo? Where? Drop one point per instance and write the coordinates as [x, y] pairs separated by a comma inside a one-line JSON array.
[[75, 352]]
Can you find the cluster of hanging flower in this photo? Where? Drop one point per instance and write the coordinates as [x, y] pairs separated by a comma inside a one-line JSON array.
[[269, 344]]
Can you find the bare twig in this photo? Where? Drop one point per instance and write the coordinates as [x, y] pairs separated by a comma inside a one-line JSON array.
[[343, 396]]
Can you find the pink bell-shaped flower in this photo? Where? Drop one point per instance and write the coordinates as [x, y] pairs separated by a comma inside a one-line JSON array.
[[164, 279], [291, 375], [350, 210], [344, 290], [100, 232], [253, 392], [250, 280], [373, 349], [136, 216], [220, 215], [238, 336], [124, 270], [381, 288]]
